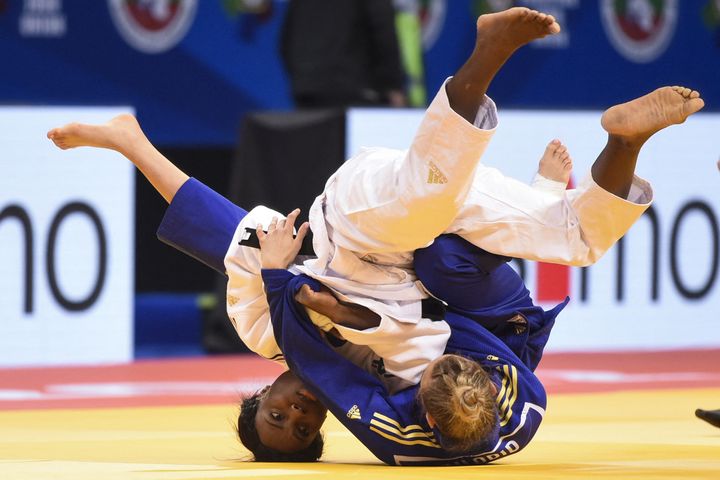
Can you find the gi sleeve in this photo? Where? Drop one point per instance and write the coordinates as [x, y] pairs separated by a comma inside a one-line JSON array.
[[200, 223], [507, 217], [545, 184]]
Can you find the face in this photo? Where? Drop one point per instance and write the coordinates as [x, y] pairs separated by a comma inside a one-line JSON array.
[[289, 417]]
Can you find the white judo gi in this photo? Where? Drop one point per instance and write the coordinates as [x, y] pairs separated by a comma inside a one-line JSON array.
[[383, 204]]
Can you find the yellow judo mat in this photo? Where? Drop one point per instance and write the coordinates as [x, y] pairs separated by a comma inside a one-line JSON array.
[[626, 435]]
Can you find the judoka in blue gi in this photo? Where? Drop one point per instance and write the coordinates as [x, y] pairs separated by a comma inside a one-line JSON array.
[[497, 333]]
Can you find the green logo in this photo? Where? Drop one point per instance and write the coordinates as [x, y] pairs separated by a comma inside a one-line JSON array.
[[640, 30]]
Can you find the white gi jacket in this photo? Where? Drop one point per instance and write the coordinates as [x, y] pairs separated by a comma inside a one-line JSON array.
[[383, 204]]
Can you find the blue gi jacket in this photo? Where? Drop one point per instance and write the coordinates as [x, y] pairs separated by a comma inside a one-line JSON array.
[[393, 427]]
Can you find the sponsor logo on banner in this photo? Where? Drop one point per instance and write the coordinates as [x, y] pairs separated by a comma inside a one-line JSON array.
[[66, 214], [153, 26], [432, 18], [640, 30], [66, 262], [41, 19], [553, 282]]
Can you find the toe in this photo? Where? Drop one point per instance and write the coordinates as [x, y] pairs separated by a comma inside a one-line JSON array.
[[694, 104], [681, 91], [552, 146]]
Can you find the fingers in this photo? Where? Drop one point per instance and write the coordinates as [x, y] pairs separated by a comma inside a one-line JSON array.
[[292, 216], [271, 228], [304, 295], [302, 231], [284, 223], [283, 226]]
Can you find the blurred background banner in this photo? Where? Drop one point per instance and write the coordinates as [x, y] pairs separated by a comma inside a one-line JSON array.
[[66, 229], [210, 89], [192, 69], [659, 287]]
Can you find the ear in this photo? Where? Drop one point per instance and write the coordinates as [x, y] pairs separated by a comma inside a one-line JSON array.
[[264, 391], [430, 420]]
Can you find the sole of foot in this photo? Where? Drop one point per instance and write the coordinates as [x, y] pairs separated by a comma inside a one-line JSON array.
[[120, 129], [652, 112]]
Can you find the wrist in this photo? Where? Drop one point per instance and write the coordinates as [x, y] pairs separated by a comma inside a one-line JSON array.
[[271, 265]]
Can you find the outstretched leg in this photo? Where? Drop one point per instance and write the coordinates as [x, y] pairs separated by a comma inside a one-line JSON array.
[[630, 125], [199, 222], [499, 35], [124, 135]]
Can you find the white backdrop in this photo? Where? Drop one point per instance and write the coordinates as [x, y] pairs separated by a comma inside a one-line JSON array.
[[79, 207], [681, 164]]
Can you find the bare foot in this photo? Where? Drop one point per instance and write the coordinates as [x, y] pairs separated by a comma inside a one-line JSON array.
[[498, 36], [117, 134], [511, 29], [644, 116], [556, 163]]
